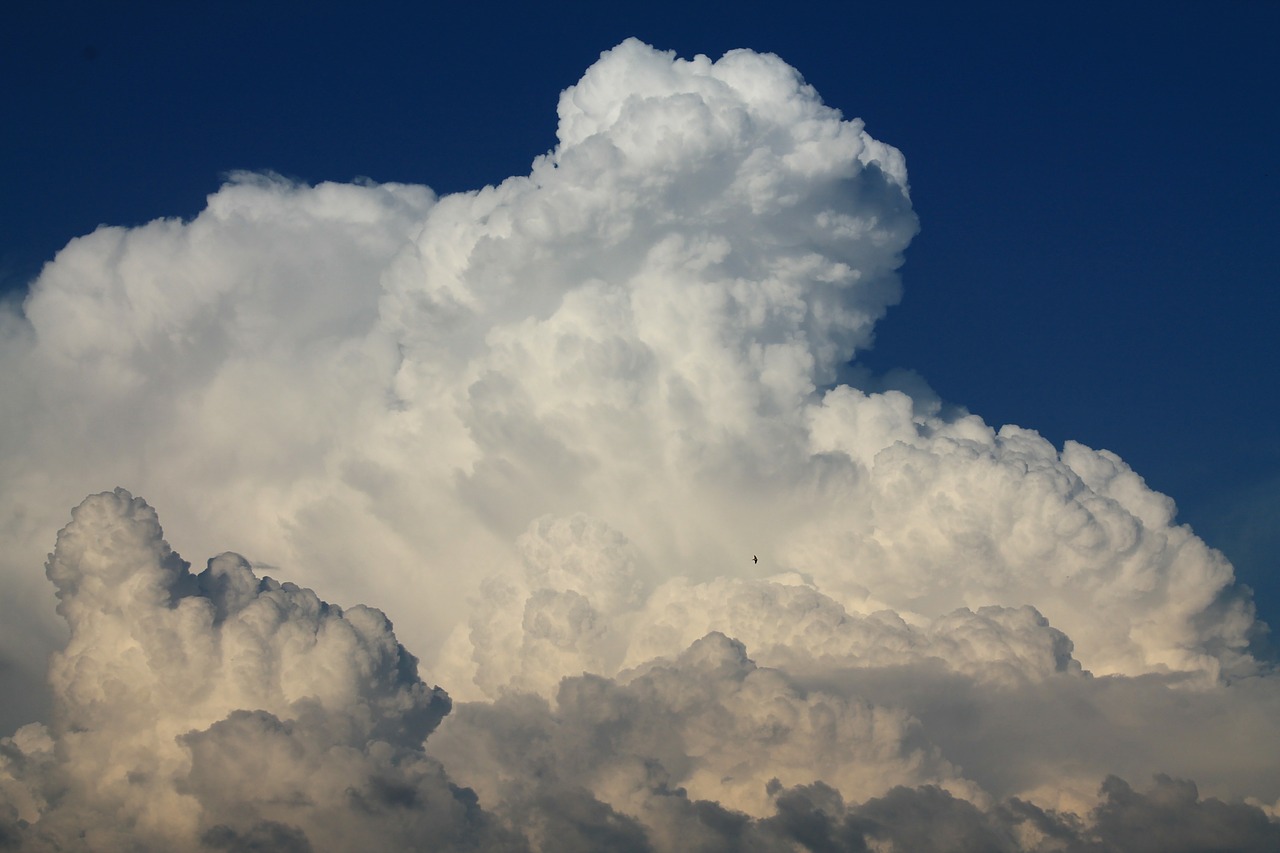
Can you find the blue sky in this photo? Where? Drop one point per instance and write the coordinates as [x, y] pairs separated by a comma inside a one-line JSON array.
[[1095, 182]]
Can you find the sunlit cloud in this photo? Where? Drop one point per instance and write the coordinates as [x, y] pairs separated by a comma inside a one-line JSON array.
[[590, 439]]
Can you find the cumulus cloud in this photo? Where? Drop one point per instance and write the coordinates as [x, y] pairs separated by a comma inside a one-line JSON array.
[[223, 709], [547, 425]]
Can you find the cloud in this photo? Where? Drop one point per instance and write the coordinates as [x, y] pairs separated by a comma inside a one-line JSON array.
[[1170, 817], [222, 708], [547, 424]]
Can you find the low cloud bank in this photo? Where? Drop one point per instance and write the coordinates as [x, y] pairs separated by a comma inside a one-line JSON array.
[[222, 711]]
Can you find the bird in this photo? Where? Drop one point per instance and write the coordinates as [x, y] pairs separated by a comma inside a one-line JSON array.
[[754, 558]]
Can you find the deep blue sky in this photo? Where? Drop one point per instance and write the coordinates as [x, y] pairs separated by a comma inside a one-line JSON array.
[[1096, 182]]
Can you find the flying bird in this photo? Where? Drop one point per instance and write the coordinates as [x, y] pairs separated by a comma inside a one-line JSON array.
[[754, 558]]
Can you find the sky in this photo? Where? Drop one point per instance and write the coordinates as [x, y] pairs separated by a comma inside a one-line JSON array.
[[936, 310]]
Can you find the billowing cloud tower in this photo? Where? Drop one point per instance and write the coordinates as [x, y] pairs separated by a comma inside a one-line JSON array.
[[547, 426]]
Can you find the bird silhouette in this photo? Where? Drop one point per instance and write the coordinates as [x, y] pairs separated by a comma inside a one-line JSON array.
[[754, 558]]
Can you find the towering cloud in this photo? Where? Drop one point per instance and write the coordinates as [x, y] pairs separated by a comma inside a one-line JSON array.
[[547, 425]]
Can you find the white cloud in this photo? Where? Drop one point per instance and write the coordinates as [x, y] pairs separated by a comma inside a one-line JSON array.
[[220, 706], [547, 425]]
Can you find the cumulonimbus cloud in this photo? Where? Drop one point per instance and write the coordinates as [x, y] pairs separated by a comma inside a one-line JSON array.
[[548, 425]]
